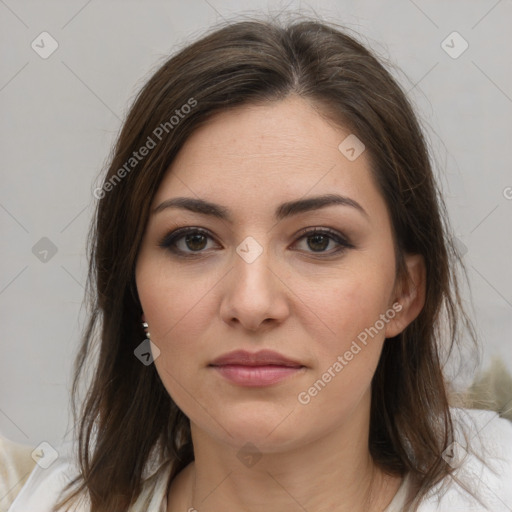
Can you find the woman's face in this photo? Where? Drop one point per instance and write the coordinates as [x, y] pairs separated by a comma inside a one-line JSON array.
[[258, 279]]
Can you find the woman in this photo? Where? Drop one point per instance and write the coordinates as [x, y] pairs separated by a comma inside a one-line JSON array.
[[271, 224]]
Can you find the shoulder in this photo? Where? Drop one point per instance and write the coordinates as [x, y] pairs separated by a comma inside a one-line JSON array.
[[16, 464], [54, 469], [481, 456], [44, 485]]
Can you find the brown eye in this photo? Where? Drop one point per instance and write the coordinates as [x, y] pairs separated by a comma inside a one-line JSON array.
[[318, 240], [191, 242], [186, 241], [195, 242]]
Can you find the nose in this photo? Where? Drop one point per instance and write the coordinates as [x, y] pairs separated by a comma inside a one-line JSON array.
[[254, 294]]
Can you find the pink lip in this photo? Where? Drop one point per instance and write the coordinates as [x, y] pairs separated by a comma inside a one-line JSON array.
[[256, 376], [255, 370], [261, 358]]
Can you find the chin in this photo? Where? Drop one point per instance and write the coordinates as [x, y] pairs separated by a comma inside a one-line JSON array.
[[268, 430]]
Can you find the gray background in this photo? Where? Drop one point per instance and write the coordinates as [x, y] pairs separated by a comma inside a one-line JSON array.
[[60, 116]]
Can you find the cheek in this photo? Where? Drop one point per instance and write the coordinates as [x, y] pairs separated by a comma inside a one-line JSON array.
[[174, 302], [175, 306], [338, 311], [346, 354], [178, 306]]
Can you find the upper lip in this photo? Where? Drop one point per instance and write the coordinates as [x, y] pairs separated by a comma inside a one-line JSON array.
[[261, 358]]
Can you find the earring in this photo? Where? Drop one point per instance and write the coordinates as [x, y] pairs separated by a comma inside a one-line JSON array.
[[145, 326]]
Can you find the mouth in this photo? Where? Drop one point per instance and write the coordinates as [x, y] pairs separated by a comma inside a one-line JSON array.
[[261, 358], [258, 369]]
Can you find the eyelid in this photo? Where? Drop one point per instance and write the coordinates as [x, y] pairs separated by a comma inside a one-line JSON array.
[[334, 235], [170, 239], [337, 235], [178, 233]]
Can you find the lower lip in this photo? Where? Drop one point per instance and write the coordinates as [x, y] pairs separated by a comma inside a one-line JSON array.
[[256, 376]]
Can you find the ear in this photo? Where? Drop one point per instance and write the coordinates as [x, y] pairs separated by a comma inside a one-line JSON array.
[[410, 294]]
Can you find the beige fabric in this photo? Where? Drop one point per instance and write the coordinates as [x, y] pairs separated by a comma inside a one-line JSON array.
[[16, 464], [492, 390]]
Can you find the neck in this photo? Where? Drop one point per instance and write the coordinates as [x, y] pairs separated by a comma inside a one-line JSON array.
[[333, 473]]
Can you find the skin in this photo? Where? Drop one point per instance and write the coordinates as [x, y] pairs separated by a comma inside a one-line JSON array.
[[298, 298]]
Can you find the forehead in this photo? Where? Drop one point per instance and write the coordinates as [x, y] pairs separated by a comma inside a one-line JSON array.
[[255, 156]]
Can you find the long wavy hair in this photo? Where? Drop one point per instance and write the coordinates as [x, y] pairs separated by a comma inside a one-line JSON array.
[[126, 411]]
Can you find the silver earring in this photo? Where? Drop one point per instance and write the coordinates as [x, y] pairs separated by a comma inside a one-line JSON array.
[[145, 327]]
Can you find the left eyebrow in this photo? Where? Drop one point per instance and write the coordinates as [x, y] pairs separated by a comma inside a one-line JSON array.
[[283, 211]]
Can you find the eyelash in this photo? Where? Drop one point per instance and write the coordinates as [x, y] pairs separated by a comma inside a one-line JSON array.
[[169, 241]]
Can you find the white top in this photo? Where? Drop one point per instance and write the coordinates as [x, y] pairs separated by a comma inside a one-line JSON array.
[[489, 436]]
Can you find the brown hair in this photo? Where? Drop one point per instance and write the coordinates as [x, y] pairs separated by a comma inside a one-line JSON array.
[[127, 409]]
